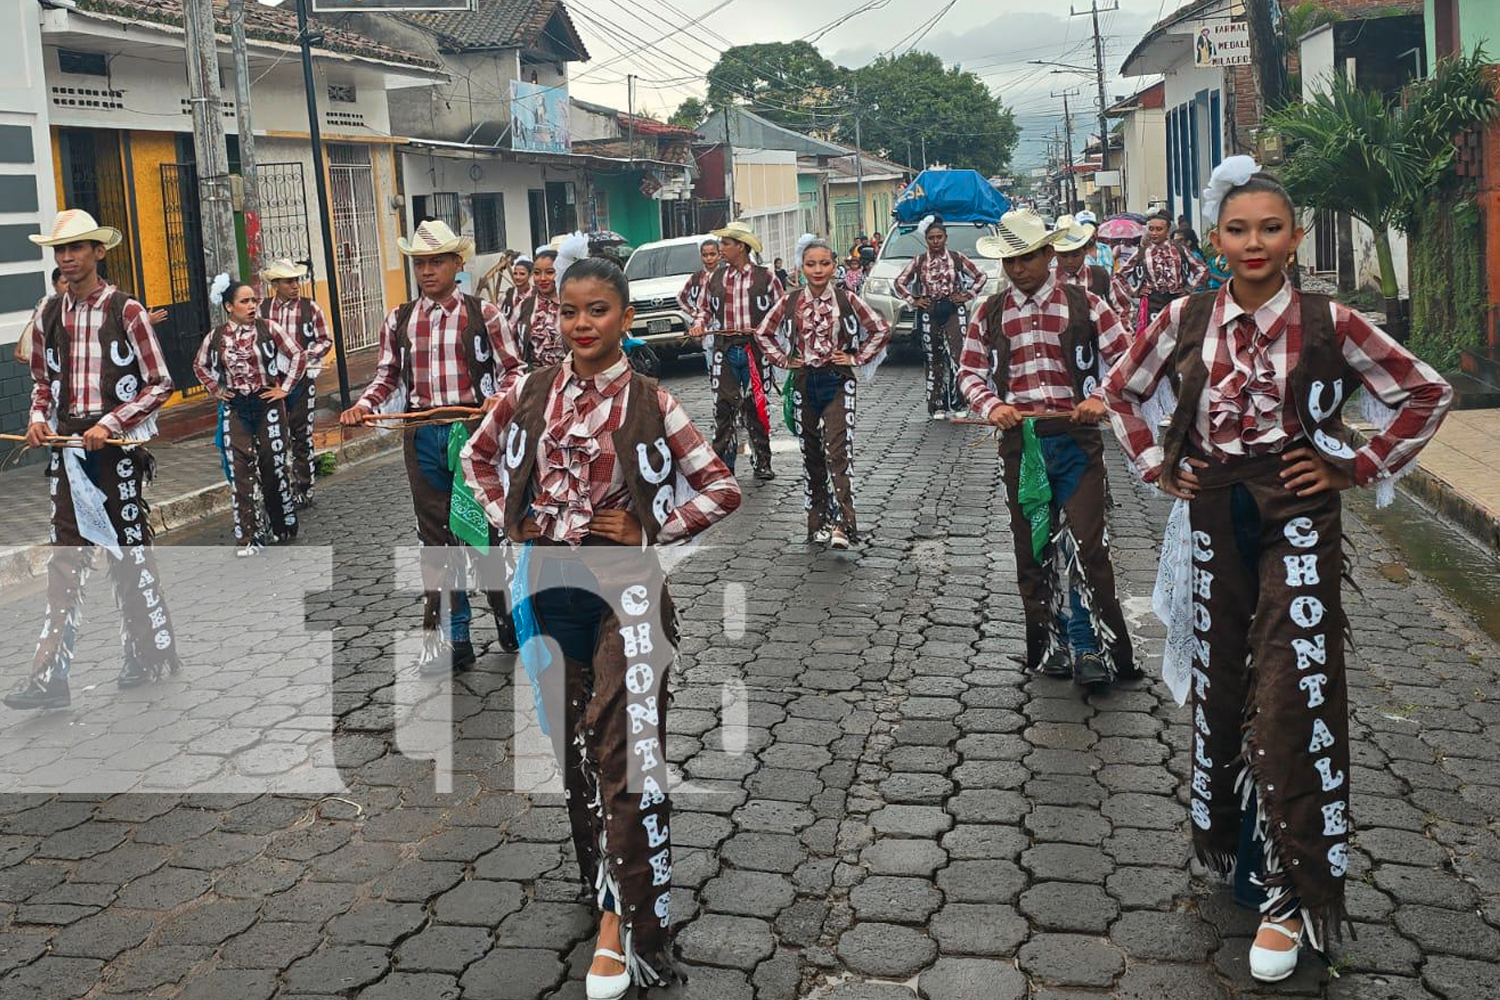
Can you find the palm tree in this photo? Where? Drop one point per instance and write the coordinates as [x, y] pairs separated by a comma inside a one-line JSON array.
[[1355, 151]]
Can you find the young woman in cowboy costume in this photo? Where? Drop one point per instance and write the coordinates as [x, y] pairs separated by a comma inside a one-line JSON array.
[[940, 284], [589, 465], [252, 364], [1256, 454]]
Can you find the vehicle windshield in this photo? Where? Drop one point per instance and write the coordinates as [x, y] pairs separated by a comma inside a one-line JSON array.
[[905, 242], [663, 262]]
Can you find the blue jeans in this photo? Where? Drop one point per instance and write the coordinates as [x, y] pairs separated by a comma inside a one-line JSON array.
[[431, 447], [569, 609], [823, 385], [738, 360], [1066, 464]]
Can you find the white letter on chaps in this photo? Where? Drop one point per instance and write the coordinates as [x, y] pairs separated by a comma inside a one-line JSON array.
[[637, 639], [1325, 771], [661, 867], [642, 716], [639, 677], [656, 834], [1338, 860], [1307, 611], [646, 750], [1313, 685], [1322, 739], [1310, 651], [1335, 824], [1301, 533], [1301, 571], [651, 793]]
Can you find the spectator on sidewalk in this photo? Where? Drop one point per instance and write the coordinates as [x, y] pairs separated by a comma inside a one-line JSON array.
[[22, 352]]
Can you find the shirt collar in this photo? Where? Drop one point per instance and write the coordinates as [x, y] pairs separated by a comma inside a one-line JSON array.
[[448, 305], [92, 298], [826, 296], [607, 383], [1265, 317], [1041, 295]]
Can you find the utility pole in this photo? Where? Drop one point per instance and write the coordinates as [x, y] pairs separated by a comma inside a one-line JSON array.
[[1265, 56], [1103, 100], [924, 151], [210, 153], [859, 161], [249, 179], [630, 113], [1068, 149], [308, 39]]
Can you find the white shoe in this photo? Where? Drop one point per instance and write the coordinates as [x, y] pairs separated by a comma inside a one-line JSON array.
[[823, 536], [607, 987], [939, 415], [253, 549], [838, 539], [1269, 966]]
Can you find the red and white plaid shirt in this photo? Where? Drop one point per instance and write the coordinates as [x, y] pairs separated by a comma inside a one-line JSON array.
[[1164, 268], [82, 319], [819, 329], [241, 360], [577, 471], [1040, 377], [439, 375], [736, 317], [938, 277], [547, 344], [1084, 278], [285, 313], [1246, 372], [698, 284]]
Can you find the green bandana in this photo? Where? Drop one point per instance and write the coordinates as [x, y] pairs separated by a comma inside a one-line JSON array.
[[1034, 492], [466, 518]]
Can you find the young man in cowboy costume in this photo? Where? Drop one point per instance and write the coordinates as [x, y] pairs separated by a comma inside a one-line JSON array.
[[736, 300], [1073, 268], [939, 284], [99, 373], [304, 320], [445, 349], [1041, 347]]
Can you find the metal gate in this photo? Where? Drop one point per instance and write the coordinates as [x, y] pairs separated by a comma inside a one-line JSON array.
[[356, 238], [283, 214], [94, 180], [1325, 242], [188, 319]]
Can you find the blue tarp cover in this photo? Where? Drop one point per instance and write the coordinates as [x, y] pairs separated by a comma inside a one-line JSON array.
[[956, 195]]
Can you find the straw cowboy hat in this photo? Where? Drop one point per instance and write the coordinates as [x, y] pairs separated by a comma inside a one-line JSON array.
[[77, 226], [1076, 234], [1019, 233], [433, 239], [284, 268], [739, 231]]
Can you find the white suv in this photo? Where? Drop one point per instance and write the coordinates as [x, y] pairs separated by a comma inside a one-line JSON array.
[[897, 251], [657, 272]]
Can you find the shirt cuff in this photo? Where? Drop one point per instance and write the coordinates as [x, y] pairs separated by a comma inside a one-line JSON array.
[[1150, 463], [1365, 470], [989, 406], [111, 423], [38, 416]]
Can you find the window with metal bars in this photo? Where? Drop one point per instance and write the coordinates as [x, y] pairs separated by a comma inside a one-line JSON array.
[[489, 223], [441, 206]]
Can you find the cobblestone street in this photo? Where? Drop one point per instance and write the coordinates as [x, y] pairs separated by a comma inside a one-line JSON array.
[[901, 813]]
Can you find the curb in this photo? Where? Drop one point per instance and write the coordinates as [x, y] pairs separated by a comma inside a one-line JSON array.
[[1448, 501], [23, 563]]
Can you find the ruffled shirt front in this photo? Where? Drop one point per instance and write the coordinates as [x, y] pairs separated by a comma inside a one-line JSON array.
[[1245, 415], [570, 446]]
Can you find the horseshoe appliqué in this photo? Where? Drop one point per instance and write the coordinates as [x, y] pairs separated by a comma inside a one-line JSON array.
[[515, 446], [1315, 405], [52, 363], [654, 476], [114, 353], [663, 503], [482, 350], [1084, 356], [1330, 445]]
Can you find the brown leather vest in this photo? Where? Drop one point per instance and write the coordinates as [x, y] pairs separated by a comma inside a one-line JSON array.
[[646, 462], [1080, 341], [267, 354], [761, 299], [1319, 385], [474, 350], [304, 331], [120, 376]]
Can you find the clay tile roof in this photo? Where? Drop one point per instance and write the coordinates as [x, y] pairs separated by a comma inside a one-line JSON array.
[[502, 24], [267, 24]]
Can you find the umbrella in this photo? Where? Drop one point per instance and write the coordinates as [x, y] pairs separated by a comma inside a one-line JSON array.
[[605, 238], [1121, 229], [1132, 216]]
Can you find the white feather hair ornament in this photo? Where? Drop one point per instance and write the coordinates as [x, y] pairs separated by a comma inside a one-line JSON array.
[[217, 289], [803, 242], [570, 250], [925, 224], [1232, 173]]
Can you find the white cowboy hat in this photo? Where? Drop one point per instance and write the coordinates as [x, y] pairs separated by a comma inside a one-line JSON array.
[[1019, 233], [284, 268], [1076, 234], [740, 232], [433, 238], [77, 226]]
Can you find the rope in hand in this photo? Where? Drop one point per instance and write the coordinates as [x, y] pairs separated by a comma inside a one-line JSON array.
[[420, 418], [73, 440]]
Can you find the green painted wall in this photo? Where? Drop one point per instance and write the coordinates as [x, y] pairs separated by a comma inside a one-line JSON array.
[[631, 214], [1478, 23]]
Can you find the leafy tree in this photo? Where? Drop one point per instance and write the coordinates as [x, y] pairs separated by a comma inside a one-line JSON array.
[[789, 83], [689, 114], [1351, 150], [913, 95]]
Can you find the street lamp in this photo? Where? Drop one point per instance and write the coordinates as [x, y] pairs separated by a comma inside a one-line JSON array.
[[306, 40]]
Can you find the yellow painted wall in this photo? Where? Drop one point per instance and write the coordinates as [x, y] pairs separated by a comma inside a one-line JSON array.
[[148, 151], [57, 167]]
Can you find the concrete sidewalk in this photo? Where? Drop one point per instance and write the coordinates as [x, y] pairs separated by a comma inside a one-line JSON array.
[[189, 484], [1458, 473]]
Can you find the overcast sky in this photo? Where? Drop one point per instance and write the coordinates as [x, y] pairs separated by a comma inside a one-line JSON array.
[[994, 38]]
